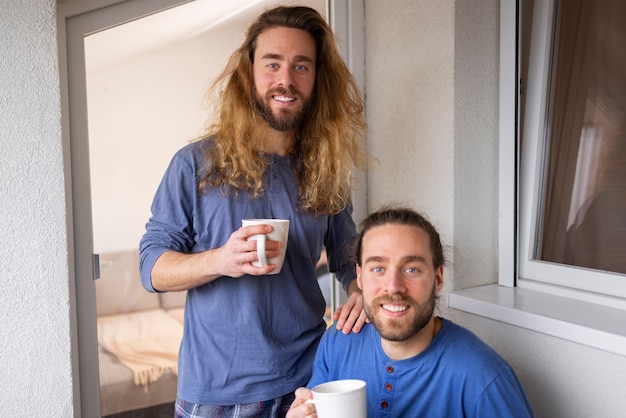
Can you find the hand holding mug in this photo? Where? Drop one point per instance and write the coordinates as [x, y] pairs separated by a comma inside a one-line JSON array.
[[336, 399], [300, 408], [280, 233]]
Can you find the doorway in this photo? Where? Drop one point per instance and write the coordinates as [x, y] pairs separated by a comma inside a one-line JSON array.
[[110, 184], [146, 82]]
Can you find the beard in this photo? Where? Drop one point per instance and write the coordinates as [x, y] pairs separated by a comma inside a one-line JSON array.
[[285, 120], [401, 329]]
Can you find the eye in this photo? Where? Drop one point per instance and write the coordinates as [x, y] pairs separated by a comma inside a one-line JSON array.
[[300, 67], [272, 65], [377, 270], [412, 271]]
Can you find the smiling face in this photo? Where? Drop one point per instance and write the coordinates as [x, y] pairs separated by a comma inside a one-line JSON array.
[[398, 280], [284, 76]]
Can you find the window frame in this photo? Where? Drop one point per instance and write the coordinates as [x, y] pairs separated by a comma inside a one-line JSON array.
[[582, 283], [533, 295]]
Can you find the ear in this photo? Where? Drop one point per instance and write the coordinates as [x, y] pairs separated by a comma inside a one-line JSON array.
[[439, 278], [358, 277]]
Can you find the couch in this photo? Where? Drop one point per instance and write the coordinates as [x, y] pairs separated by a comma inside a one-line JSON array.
[[126, 310]]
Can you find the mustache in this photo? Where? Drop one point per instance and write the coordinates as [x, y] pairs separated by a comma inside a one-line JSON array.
[[284, 91], [394, 299]]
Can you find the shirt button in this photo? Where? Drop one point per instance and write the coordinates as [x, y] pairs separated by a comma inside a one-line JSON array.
[[388, 386], [384, 404], [389, 369]]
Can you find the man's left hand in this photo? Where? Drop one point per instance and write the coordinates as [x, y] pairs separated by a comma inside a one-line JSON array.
[[351, 315]]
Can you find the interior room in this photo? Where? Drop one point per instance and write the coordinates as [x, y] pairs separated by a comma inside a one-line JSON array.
[[147, 82], [430, 74]]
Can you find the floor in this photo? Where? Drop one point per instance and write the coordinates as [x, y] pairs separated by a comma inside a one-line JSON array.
[[159, 411]]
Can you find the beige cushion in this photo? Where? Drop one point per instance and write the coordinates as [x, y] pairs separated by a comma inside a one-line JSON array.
[[119, 289], [146, 342], [171, 300], [178, 314], [118, 393]]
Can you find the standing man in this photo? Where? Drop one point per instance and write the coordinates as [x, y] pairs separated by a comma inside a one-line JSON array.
[[414, 364], [283, 145]]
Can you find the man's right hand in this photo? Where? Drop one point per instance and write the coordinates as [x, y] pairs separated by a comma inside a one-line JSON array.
[[174, 271], [300, 408]]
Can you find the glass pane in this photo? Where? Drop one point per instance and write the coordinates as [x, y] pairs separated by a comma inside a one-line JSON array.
[[584, 210]]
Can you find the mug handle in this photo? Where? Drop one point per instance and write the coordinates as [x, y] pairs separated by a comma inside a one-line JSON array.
[[260, 249]]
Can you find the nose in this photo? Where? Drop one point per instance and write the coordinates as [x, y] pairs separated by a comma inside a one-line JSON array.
[[285, 78], [395, 282]]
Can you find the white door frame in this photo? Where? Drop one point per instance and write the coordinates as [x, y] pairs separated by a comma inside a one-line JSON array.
[[75, 20]]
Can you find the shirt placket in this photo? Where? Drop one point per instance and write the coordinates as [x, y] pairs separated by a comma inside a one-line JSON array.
[[388, 390]]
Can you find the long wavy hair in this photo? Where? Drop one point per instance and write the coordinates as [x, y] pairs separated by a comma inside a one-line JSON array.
[[327, 145]]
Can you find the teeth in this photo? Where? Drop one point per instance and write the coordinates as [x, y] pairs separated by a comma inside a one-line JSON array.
[[395, 308], [284, 98]]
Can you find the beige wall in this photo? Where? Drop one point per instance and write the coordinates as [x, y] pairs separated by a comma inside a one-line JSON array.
[[141, 111], [431, 85]]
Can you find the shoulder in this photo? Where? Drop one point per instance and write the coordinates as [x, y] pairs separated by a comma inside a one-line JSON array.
[[340, 355], [195, 149], [468, 350], [333, 337], [192, 156], [490, 383], [455, 333]]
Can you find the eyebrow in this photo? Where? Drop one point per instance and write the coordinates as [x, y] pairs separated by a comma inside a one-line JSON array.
[[297, 58], [410, 258]]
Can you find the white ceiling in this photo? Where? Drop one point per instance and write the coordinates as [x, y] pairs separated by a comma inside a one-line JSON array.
[[143, 35]]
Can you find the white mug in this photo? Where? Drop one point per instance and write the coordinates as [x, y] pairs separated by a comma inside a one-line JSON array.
[[280, 232], [340, 399]]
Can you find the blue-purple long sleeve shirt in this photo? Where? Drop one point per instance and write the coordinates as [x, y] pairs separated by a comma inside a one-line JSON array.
[[251, 338]]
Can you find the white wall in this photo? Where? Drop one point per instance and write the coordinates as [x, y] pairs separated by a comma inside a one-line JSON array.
[[410, 107], [432, 106], [141, 111], [431, 95], [35, 346]]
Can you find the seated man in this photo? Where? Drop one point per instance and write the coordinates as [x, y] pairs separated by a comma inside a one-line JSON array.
[[415, 364]]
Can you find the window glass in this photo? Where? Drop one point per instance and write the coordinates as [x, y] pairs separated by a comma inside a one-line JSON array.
[[582, 219]]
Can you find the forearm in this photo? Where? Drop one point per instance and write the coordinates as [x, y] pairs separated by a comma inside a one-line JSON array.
[[353, 287], [174, 271]]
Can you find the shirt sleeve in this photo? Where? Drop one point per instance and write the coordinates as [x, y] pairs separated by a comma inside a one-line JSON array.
[[170, 226], [503, 397], [339, 244]]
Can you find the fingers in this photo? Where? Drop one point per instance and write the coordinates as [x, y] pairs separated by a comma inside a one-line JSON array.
[[300, 408], [351, 315], [247, 231], [239, 252], [272, 248], [362, 320]]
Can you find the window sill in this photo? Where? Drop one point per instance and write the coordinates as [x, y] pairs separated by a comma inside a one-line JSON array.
[[582, 322]]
